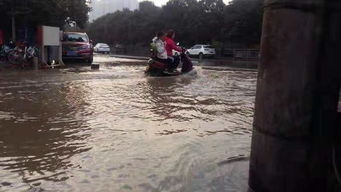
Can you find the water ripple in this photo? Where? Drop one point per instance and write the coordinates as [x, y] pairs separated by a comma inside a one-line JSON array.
[[77, 130]]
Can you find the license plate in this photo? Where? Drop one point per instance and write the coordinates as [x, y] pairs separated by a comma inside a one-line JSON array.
[[71, 53]]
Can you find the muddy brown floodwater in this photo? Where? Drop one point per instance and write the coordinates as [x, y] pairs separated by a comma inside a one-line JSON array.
[[117, 130]]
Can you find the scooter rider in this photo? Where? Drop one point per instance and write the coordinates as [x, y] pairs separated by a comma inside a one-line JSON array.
[[170, 46], [159, 52]]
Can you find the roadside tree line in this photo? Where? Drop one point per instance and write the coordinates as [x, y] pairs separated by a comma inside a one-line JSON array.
[[237, 24], [42, 12]]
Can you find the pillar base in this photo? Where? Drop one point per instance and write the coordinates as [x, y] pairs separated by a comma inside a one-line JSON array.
[[283, 165]]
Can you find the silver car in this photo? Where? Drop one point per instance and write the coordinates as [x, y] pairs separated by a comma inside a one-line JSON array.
[[102, 48]]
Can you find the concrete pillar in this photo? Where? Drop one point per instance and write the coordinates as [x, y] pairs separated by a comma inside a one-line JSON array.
[[297, 95]]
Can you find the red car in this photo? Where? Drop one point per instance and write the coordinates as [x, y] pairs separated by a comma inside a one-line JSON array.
[[77, 45]]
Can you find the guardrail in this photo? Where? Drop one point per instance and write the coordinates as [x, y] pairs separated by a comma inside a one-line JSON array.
[[242, 53]]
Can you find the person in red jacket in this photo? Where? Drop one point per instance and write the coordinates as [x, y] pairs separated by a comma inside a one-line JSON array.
[[170, 46]]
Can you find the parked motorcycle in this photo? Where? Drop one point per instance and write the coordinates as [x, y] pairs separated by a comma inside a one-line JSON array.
[[22, 55], [4, 51]]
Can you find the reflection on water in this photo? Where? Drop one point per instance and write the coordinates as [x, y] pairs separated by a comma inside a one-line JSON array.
[[40, 131], [117, 130]]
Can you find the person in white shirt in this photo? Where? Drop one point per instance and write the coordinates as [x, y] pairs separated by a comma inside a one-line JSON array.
[[159, 48]]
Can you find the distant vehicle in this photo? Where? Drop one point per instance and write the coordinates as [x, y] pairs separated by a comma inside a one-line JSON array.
[[201, 51], [77, 45], [102, 48]]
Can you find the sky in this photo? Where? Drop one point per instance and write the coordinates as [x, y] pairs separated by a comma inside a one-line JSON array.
[[163, 2]]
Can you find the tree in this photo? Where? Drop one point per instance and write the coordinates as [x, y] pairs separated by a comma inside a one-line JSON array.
[[47, 12], [243, 22], [203, 21]]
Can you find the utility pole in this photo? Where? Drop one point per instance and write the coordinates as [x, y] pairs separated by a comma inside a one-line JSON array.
[[296, 130]]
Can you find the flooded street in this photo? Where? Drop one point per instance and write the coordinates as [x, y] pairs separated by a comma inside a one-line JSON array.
[[117, 130]]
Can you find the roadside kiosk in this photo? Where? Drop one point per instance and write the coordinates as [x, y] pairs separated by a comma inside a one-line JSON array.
[[49, 41]]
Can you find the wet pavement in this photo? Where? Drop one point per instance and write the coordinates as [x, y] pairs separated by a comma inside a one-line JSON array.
[[115, 129]]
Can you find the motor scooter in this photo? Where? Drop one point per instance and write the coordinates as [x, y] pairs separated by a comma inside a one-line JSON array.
[[157, 68]]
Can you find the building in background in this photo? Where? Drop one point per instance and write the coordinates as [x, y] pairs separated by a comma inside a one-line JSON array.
[[103, 7]]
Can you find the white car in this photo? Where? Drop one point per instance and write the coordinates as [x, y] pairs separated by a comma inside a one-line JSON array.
[[201, 51], [102, 48]]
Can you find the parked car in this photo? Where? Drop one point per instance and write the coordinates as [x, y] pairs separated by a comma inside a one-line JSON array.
[[77, 45], [201, 51], [102, 48]]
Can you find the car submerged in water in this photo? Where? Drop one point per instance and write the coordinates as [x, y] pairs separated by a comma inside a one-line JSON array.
[[77, 45]]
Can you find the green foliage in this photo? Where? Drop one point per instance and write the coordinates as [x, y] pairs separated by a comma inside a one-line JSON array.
[[45, 12], [244, 21], [204, 21]]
